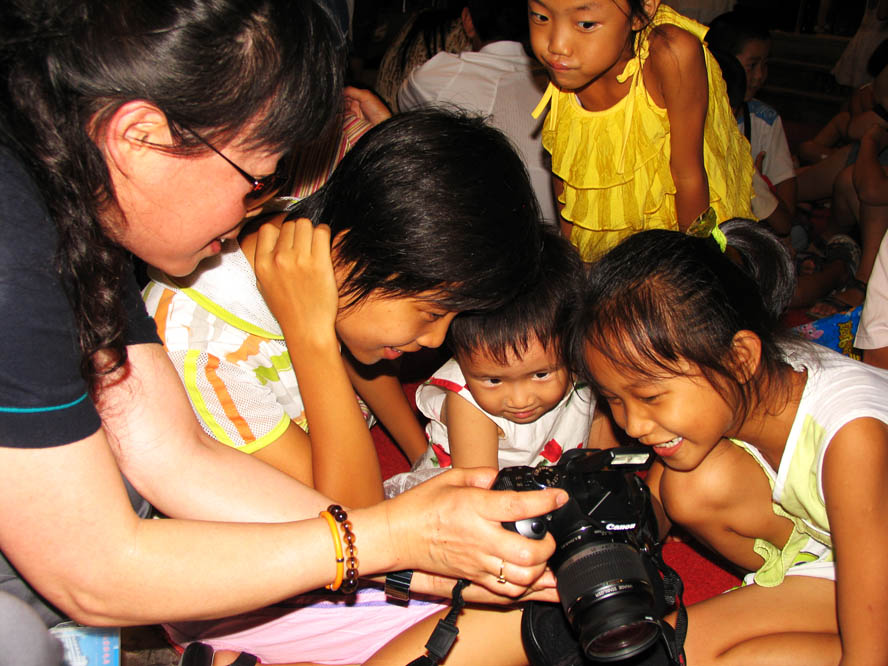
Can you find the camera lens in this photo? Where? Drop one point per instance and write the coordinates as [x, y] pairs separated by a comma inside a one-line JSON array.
[[629, 635], [608, 597]]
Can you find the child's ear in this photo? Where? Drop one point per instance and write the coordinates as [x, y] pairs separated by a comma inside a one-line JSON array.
[[650, 8], [746, 352]]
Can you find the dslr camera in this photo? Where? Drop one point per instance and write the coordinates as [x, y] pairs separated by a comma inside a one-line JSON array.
[[607, 558]]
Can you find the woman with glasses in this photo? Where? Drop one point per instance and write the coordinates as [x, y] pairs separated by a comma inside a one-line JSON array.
[[97, 162]]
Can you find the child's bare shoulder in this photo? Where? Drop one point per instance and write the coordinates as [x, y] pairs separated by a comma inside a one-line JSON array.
[[670, 45]]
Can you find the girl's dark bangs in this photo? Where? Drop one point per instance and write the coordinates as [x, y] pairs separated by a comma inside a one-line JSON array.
[[634, 332]]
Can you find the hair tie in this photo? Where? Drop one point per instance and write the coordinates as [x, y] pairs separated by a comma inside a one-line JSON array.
[[707, 225]]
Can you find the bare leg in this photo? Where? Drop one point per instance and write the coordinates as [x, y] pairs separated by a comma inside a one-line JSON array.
[[816, 181], [791, 624], [845, 204]]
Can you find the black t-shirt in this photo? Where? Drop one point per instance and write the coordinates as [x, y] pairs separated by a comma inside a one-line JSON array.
[[44, 400]]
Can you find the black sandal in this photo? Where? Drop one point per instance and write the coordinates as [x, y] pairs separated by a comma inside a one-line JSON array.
[[201, 654], [843, 248]]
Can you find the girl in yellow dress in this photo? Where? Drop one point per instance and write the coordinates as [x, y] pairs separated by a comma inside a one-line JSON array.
[[639, 125]]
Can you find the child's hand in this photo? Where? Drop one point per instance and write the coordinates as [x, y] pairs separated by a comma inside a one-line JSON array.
[[294, 273], [365, 105], [760, 161]]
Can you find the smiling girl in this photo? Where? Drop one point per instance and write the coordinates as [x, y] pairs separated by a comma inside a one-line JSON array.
[[688, 354], [639, 125]]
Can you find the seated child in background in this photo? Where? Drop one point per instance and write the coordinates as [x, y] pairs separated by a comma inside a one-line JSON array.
[[819, 272], [740, 34], [506, 397], [836, 145], [765, 205], [836, 134], [860, 200]]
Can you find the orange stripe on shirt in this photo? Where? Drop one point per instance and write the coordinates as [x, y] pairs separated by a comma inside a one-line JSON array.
[[249, 347], [225, 400], [163, 311]]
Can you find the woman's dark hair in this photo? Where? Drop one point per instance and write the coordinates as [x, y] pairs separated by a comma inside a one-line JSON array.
[[536, 314], [432, 200], [662, 297], [215, 66]]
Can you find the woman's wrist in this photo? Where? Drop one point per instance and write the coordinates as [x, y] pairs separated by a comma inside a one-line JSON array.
[[379, 547]]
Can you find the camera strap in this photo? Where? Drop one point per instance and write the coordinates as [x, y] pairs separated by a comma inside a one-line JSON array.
[[445, 632], [673, 591]]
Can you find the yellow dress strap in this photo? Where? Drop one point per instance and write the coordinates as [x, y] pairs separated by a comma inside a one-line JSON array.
[[551, 89], [633, 69]]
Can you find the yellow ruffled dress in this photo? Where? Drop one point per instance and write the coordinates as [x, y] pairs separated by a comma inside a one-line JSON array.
[[615, 163]]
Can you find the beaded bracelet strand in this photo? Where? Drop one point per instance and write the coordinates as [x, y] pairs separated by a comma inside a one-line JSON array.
[[350, 580], [337, 546]]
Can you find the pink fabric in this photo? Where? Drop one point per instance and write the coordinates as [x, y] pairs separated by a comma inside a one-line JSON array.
[[321, 628]]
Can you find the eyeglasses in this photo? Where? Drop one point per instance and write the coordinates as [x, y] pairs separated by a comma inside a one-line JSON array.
[[262, 190]]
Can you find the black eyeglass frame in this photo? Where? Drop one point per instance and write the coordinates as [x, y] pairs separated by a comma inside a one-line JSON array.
[[261, 188]]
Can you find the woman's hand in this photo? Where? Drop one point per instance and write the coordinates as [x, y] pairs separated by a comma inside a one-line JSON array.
[[294, 273], [452, 525]]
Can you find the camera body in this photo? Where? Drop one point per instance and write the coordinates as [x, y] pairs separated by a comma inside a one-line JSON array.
[[606, 540]]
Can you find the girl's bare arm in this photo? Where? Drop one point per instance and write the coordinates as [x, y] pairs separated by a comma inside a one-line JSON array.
[[854, 471], [67, 525], [385, 397], [678, 70], [473, 437], [295, 273]]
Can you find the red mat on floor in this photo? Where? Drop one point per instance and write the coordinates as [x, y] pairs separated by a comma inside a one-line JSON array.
[[703, 577]]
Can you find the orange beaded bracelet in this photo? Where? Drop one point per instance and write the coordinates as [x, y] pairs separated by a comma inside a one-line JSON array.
[[349, 582], [337, 546]]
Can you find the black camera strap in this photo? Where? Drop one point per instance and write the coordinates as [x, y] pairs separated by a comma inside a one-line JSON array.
[[673, 591], [445, 632]]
